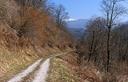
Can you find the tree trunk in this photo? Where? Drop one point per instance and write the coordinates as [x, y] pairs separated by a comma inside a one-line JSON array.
[[91, 47], [108, 49]]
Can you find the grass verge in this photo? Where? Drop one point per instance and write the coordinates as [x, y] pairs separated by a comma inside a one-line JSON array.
[[60, 72]]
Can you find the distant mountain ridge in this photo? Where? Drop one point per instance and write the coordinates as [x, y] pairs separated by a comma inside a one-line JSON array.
[[76, 27], [80, 23]]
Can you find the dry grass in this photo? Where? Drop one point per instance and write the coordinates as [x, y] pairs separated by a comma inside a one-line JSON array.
[[60, 72], [22, 44], [12, 62]]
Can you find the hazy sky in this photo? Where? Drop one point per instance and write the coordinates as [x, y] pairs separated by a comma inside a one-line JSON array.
[[80, 9]]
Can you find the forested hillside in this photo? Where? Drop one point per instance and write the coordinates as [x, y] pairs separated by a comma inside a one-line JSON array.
[[105, 43], [29, 29], [36, 46]]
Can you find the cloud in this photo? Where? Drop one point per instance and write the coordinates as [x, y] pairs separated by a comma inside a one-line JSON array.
[[71, 19]]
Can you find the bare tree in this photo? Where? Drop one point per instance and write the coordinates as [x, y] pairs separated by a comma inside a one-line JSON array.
[[95, 30], [60, 15], [3, 11], [112, 10], [34, 3]]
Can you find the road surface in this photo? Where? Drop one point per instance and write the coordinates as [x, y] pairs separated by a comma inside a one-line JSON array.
[[41, 73]]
